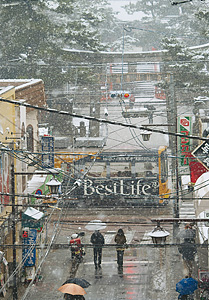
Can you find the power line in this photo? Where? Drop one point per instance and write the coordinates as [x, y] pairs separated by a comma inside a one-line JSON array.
[[66, 113]]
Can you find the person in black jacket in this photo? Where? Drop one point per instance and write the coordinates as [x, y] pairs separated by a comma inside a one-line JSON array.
[[97, 239], [188, 249]]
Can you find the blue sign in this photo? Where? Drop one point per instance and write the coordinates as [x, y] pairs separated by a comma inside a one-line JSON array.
[[47, 143], [29, 249]]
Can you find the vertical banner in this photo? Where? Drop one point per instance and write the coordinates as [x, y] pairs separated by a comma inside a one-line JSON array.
[[184, 127], [29, 248], [47, 143]]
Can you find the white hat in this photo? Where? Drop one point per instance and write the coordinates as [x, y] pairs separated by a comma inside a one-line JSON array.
[[74, 236]]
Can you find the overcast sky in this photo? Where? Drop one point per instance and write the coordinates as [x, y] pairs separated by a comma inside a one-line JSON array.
[[117, 6]]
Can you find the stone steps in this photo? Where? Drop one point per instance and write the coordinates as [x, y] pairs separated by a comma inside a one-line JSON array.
[[187, 209]]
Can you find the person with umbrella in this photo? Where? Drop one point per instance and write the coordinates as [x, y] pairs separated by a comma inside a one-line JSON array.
[[97, 239], [78, 281], [120, 240], [72, 291], [186, 288], [188, 248]]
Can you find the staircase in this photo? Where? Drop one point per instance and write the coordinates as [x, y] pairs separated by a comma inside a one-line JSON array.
[[186, 209]]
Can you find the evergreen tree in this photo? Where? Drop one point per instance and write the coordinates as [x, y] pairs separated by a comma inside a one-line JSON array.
[[34, 33], [160, 19], [188, 67]]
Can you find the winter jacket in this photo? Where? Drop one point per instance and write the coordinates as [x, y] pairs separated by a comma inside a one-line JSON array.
[[97, 238], [120, 240], [188, 250]]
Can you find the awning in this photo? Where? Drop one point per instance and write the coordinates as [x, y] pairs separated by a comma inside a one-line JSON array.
[[33, 213], [201, 187], [201, 195]]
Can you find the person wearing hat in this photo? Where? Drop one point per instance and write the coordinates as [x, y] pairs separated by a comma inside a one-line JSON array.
[[75, 245]]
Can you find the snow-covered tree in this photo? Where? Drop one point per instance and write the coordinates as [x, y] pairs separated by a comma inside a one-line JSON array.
[[160, 18], [188, 66], [33, 34]]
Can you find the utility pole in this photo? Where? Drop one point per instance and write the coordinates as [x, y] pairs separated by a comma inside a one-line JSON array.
[[173, 143], [14, 233]]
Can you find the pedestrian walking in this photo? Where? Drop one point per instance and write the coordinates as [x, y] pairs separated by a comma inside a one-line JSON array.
[[97, 239], [188, 250], [120, 240]]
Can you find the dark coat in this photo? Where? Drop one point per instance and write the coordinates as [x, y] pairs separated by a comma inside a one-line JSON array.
[[97, 239], [120, 240], [188, 250]]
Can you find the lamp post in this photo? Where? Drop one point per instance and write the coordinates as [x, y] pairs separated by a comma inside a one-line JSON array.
[[53, 185], [158, 234], [145, 135]]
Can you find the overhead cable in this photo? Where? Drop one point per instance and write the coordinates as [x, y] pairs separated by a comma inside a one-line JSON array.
[[66, 113]]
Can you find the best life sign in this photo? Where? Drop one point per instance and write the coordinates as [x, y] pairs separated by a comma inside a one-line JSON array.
[[29, 248], [184, 127]]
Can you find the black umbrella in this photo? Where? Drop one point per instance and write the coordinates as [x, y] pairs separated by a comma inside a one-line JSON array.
[[79, 281]]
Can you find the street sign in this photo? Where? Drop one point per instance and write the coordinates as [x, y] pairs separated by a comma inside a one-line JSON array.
[[29, 249], [202, 154], [38, 192]]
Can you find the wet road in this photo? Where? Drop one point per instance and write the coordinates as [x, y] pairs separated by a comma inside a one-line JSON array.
[[149, 273]]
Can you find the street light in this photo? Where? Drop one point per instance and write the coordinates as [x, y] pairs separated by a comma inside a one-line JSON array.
[[158, 235], [145, 135], [53, 185]]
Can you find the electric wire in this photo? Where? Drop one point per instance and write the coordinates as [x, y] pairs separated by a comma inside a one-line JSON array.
[[102, 120]]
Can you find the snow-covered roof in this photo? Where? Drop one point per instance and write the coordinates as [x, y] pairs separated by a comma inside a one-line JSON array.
[[30, 82], [127, 52], [33, 213], [199, 46], [19, 83], [77, 50], [5, 89], [110, 52], [36, 182]]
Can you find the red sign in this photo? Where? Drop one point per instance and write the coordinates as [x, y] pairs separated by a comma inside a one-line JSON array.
[[184, 122], [25, 234]]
